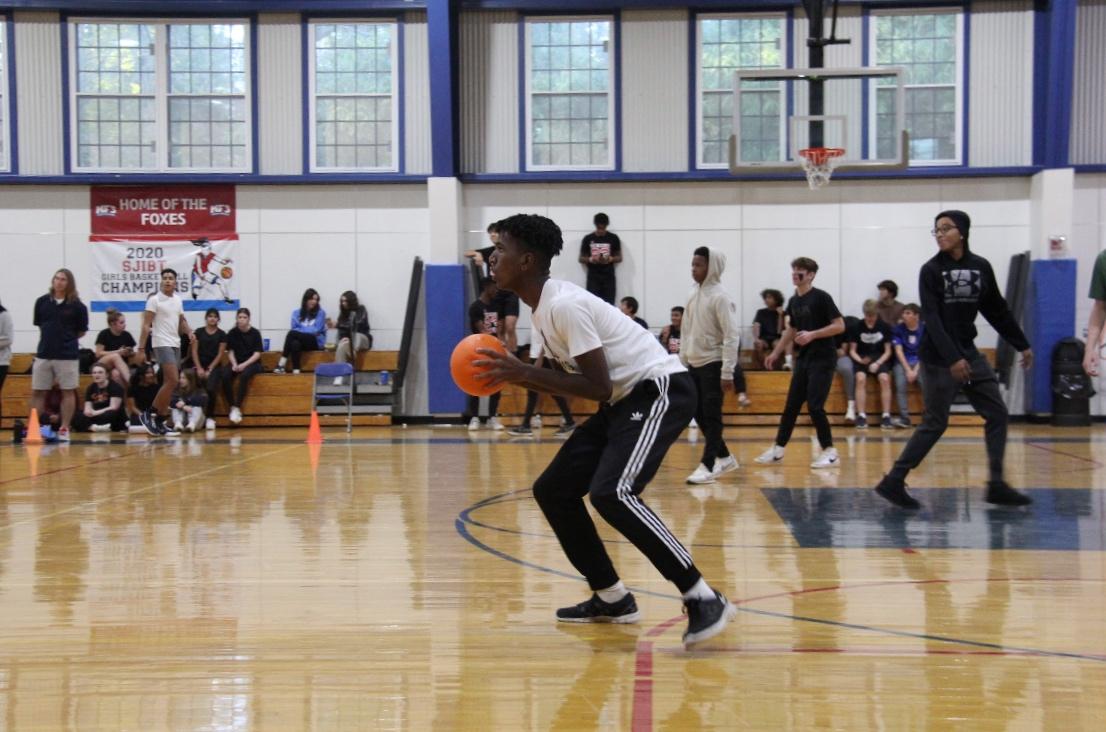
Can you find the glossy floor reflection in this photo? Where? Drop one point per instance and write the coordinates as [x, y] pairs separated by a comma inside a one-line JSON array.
[[405, 579]]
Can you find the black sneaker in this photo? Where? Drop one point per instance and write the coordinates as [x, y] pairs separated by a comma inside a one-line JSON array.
[[885, 422], [1001, 494], [894, 490], [566, 429], [707, 618], [861, 422], [902, 423], [520, 431], [166, 429], [149, 421], [594, 610]]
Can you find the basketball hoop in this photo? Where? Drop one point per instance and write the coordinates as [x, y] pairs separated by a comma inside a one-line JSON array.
[[818, 164]]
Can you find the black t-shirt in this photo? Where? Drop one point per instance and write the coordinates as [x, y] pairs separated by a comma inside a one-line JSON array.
[[673, 344], [112, 342], [594, 244], [101, 397], [812, 311], [871, 341], [143, 394], [641, 322], [486, 313], [769, 321], [60, 327], [207, 345], [244, 345]]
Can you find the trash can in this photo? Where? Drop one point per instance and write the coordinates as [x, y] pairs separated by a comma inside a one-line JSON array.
[[1071, 387]]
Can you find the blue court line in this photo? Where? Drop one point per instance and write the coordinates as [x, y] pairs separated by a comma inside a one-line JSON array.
[[462, 529]]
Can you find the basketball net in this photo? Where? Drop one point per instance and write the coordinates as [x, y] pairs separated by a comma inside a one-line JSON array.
[[818, 164]]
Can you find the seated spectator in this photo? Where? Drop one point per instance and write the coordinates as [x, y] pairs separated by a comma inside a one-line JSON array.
[[530, 421], [244, 349], [629, 307], [905, 339], [890, 309], [144, 386], [871, 353], [114, 348], [484, 318], [308, 331], [845, 365], [189, 403], [767, 325], [103, 404], [670, 334], [209, 353], [354, 335]]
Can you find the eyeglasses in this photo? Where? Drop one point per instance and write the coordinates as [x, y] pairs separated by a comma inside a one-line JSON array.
[[942, 230]]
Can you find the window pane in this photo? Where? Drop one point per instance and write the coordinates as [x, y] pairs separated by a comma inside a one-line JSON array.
[[111, 59], [924, 44]]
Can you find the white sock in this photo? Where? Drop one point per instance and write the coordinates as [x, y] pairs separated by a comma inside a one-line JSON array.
[[887, 414], [614, 593], [852, 404], [701, 591], [282, 361]]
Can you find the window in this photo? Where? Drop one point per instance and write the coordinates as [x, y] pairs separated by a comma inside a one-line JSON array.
[[726, 44], [928, 46], [353, 87], [569, 104], [5, 121], [149, 96]]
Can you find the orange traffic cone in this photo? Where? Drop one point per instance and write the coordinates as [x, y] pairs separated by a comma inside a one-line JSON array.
[[34, 431], [314, 432]]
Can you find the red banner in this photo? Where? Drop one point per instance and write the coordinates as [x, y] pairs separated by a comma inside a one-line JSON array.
[[163, 212]]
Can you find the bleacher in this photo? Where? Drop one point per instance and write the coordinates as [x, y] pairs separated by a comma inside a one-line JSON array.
[[284, 400]]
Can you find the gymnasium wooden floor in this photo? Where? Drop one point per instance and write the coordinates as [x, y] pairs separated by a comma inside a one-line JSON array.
[[405, 579]]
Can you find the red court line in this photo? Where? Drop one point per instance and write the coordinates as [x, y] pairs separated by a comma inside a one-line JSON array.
[[1092, 461]]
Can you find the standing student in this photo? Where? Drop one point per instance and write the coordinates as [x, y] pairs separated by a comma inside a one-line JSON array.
[[600, 251], [646, 399], [484, 318], [812, 321], [957, 285], [62, 320], [906, 339], [6, 335], [709, 348], [163, 319], [209, 353], [870, 351], [1097, 318], [308, 331], [115, 346], [890, 309], [244, 352]]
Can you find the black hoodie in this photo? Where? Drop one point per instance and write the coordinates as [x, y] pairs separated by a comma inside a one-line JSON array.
[[953, 293]]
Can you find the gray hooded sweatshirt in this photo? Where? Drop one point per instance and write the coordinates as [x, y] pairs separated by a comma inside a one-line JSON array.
[[709, 331]]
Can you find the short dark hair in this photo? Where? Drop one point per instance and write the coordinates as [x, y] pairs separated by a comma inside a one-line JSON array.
[[912, 307], [601, 219], [702, 252], [534, 233], [890, 286], [774, 294], [493, 227], [169, 270], [631, 303], [212, 311], [678, 309], [242, 310], [804, 263]]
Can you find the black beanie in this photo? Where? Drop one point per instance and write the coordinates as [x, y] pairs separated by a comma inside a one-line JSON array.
[[961, 220]]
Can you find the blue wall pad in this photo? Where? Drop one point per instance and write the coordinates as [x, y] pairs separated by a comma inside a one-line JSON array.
[[445, 326], [1050, 316]]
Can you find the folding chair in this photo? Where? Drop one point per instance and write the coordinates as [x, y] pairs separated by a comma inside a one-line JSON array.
[[338, 378]]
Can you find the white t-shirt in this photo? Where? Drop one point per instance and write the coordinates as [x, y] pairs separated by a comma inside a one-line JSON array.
[[167, 310], [569, 321]]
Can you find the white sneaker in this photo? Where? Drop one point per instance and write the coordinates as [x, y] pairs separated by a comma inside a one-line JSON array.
[[99, 428], [494, 423], [535, 423], [209, 424], [474, 424], [772, 455], [196, 420], [850, 414], [828, 459], [693, 425], [701, 475], [235, 415], [727, 464]]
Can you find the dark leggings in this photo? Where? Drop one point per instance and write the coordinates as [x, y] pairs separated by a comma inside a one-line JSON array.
[[235, 396], [472, 406], [810, 383], [296, 343], [739, 379], [117, 418], [939, 388]]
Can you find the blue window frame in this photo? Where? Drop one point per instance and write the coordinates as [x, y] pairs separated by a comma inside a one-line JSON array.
[[5, 98], [160, 95], [569, 99], [353, 95]]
